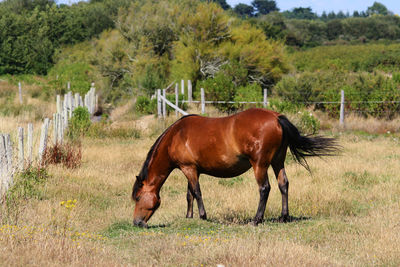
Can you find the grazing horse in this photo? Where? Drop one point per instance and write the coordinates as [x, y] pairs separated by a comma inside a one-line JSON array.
[[224, 147]]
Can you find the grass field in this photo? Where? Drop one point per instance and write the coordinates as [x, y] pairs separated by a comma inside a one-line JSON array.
[[346, 212]]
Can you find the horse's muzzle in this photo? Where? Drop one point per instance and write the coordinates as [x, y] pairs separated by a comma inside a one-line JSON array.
[[140, 223]]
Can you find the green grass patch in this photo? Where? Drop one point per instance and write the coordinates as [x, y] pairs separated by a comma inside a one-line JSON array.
[[230, 182]]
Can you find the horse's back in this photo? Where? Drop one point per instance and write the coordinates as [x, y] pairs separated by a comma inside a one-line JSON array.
[[223, 146]]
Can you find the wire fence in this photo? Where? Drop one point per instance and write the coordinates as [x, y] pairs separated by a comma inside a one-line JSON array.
[[388, 106]]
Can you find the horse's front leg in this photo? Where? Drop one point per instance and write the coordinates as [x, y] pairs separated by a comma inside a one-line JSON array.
[[189, 198], [194, 188], [261, 174]]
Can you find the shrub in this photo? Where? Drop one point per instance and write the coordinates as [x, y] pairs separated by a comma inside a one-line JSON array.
[[79, 123], [26, 182], [308, 124], [69, 155], [249, 93], [145, 105], [219, 88], [27, 185], [282, 106], [78, 74], [367, 94]]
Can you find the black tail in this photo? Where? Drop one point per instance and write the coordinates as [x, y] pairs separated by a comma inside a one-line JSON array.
[[304, 146]]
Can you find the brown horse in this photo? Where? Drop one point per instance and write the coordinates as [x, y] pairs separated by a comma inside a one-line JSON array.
[[224, 147]]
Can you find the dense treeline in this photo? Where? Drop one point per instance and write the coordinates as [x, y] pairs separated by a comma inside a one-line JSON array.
[[32, 30], [311, 33], [134, 47]]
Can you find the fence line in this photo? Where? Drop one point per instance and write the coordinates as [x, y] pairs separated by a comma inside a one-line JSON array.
[[162, 101], [65, 108]]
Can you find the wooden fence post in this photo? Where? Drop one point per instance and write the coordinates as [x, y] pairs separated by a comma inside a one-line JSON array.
[[6, 170], [20, 92], [76, 100], [55, 128], [92, 99], [20, 148], [176, 99], [3, 164], [342, 108], [190, 94], [9, 154], [203, 104], [69, 104], [43, 139], [30, 143], [159, 103], [164, 105], [182, 87], [96, 104], [265, 98], [60, 128], [59, 105]]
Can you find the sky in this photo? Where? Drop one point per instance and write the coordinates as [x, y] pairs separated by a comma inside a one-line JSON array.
[[319, 6]]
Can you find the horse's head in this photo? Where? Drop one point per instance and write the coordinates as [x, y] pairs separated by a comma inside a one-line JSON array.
[[147, 201]]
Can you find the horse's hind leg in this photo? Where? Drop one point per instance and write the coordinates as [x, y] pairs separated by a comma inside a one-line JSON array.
[[194, 188], [189, 198], [261, 173], [283, 183]]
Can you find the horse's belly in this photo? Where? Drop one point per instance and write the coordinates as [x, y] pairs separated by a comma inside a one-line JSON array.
[[226, 170]]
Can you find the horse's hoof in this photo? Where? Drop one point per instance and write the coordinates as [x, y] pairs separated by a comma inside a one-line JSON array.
[[284, 219]]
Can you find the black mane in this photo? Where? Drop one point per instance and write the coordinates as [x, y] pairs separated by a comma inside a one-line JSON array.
[[145, 168]]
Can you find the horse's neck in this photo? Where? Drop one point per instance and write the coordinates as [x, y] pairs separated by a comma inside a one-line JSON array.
[[159, 169]]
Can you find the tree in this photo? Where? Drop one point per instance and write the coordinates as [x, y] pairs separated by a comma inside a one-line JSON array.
[[377, 9], [264, 6], [340, 15], [334, 28], [331, 15], [223, 4], [324, 16], [244, 10], [301, 13]]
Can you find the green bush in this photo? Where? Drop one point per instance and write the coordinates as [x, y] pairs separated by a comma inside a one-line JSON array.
[[28, 184], [78, 74], [145, 105], [25, 186], [308, 124], [249, 93], [79, 123], [219, 88], [282, 106], [367, 57], [367, 94]]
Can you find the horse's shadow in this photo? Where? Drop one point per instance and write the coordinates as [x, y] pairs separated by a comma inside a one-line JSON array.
[[232, 220], [158, 226]]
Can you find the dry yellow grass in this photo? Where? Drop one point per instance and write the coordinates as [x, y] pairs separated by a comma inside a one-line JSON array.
[[345, 213]]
